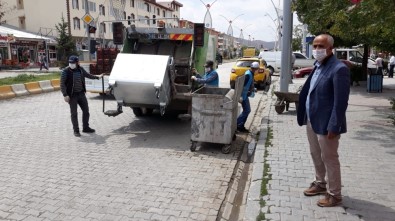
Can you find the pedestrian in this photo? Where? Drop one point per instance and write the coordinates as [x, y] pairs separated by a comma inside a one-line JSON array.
[[323, 102], [392, 65], [43, 62], [379, 64], [248, 89], [72, 86], [210, 77]]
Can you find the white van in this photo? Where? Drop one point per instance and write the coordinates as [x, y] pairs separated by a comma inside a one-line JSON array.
[[273, 60], [354, 56]]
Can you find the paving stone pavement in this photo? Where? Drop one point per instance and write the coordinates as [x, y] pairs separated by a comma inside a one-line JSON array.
[[367, 154], [130, 169]]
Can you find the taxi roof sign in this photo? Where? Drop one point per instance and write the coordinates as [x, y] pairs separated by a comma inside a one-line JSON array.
[[87, 18]]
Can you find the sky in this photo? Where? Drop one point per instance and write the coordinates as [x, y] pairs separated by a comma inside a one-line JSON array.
[[253, 22]]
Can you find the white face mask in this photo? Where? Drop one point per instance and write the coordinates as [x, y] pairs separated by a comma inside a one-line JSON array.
[[207, 69], [319, 54], [72, 66]]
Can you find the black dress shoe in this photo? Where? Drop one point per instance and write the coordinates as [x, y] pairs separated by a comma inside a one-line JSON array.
[[243, 129], [77, 133], [88, 130]]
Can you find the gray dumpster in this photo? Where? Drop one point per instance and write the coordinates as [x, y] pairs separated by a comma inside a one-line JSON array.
[[214, 115]]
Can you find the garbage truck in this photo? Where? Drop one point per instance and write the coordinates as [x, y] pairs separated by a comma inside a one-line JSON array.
[[153, 69]]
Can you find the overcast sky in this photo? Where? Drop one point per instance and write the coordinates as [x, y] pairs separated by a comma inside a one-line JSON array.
[[253, 21]]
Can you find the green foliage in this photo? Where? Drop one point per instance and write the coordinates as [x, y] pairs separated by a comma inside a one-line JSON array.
[[369, 22], [392, 102], [297, 39], [66, 44], [392, 116], [24, 78]]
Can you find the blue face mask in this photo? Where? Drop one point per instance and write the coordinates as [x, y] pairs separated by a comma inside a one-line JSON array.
[[207, 70]]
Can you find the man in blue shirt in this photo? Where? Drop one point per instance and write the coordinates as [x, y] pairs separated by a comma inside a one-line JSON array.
[[247, 90], [322, 108], [210, 77]]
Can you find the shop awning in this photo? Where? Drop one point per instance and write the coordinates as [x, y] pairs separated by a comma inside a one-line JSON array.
[[9, 34]]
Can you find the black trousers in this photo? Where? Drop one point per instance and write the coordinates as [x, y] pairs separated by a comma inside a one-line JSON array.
[[75, 100], [391, 74]]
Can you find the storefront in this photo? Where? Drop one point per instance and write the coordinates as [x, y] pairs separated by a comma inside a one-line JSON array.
[[20, 48]]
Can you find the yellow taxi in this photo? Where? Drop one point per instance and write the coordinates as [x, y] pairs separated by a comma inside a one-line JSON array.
[[261, 76]]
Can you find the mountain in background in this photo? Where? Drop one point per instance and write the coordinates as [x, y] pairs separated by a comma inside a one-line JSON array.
[[257, 43]]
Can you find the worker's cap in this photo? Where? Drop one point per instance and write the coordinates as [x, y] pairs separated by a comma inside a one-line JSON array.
[[255, 65], [209, 63], [73, 59]]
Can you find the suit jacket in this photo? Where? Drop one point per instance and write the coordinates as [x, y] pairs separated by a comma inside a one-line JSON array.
[[328, 98]]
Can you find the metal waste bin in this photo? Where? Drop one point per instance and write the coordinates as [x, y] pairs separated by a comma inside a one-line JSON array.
[[375, 83], [214, 115]]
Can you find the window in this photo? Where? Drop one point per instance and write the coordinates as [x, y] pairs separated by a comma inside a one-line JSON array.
[[75, 4], [102, 27], [102, 10], [157, 11], [132, 17], [76, 22], [154, 19], [164, 13], [132, 3], [124, 15], [147, 6], [147, 19], [91, 5]]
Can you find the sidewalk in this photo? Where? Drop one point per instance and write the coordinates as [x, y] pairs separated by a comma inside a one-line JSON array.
[[367, 153]]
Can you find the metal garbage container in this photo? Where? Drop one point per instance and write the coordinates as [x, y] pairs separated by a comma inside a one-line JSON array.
[[214, 115], [375, 83]]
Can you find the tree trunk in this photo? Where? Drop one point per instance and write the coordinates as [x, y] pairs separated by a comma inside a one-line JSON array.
[[365, 61]]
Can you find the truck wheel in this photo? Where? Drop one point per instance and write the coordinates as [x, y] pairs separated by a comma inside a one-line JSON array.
[[142, 111], [137, 111]]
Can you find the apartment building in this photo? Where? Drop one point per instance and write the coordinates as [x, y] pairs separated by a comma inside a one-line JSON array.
[[41, 16]]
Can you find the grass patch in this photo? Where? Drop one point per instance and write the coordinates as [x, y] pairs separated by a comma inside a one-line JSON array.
[[392, 116], [266, 176], [24, 78], [261, 216]]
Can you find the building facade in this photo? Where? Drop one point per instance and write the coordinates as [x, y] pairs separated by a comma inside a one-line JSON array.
[[42, 16]]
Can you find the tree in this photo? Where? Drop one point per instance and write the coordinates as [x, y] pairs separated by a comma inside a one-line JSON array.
[[297, 38], [368, 22], [66, 44]]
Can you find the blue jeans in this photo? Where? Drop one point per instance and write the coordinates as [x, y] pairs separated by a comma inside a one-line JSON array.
[[241, 120]]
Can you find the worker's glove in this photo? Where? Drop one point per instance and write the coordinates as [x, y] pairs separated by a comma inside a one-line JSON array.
[[67, 99], [193, 78]]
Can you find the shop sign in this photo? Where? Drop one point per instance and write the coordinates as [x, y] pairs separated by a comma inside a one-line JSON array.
[[7, 38]]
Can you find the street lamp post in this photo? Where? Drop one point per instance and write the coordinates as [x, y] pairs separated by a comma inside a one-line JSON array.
[[208, 21], [276, 41], [279, 26], [230, 29]]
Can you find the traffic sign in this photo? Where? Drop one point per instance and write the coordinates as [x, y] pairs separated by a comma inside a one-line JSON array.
[[87, 18]]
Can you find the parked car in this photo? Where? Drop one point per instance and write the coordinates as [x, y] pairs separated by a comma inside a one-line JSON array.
[[262, 76], [305, 72], [273, 59]]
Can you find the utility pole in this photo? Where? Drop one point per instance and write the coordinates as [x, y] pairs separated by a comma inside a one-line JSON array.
[[87, 31], [286, 52]]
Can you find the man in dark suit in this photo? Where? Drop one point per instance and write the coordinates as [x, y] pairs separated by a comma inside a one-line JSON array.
[[322, 107]]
